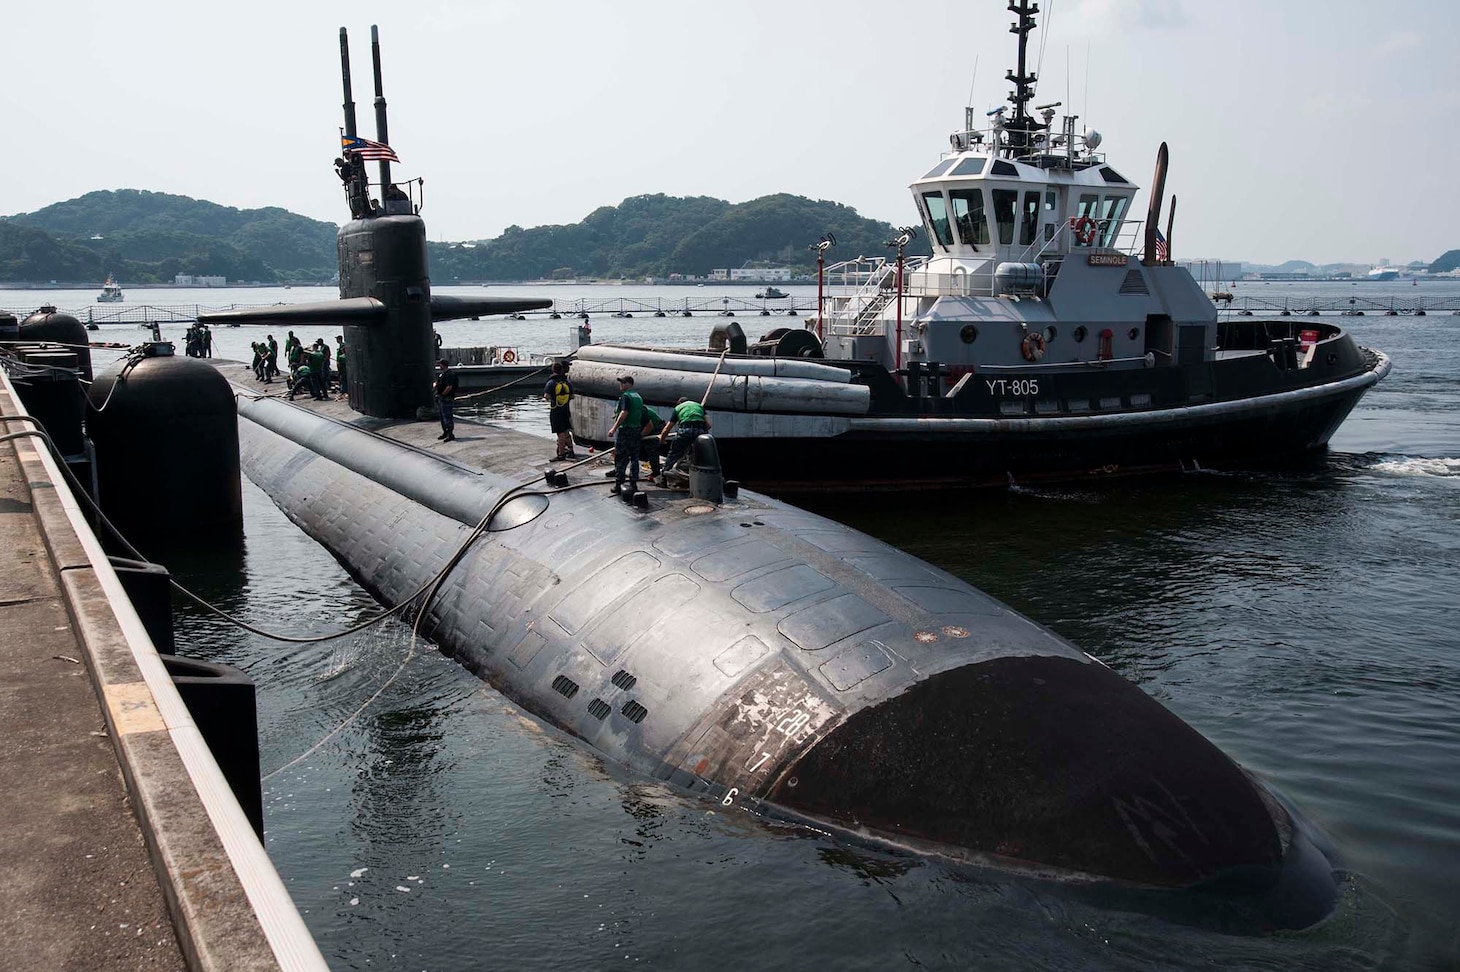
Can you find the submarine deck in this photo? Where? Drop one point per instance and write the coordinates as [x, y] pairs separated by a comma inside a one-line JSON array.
[[478, 445]]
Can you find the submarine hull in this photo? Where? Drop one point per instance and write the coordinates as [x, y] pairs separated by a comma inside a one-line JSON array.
[[769, 658]]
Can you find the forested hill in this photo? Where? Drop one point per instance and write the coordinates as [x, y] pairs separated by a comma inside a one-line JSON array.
[[654, 236], [149, 237], [1449, 261]]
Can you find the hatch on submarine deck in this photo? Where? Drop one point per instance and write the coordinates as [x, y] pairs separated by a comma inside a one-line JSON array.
[[770, 658]]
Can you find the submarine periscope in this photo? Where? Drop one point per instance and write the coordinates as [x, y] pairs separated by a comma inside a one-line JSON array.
[[749, 652]]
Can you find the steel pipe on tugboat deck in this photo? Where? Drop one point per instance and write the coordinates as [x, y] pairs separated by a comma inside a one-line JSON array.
[[742, 393], [707, 363]]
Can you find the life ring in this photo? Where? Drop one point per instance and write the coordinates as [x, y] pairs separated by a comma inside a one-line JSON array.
[[1032, 347], [509, 356], [1083, 228]]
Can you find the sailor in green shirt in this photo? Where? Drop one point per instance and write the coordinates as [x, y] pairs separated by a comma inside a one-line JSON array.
[[628, 432], [689, 423]]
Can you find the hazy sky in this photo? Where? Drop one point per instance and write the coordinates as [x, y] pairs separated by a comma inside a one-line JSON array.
[[1317, 129]]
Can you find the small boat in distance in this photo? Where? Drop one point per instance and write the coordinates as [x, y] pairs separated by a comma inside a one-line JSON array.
[[111, 291], [771, 293]]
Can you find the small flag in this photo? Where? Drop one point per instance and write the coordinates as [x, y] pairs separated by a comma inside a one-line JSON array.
[[368, 150], [1163, 252]]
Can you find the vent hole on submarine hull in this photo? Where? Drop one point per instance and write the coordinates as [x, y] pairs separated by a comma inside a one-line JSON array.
[[634, 712], [516, 512], [565, 686], [599, 709], [624, 680]]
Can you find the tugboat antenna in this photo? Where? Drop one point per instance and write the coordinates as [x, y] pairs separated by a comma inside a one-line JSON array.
[[1021, 125]]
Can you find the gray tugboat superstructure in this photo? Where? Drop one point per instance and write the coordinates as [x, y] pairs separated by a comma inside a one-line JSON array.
[[758, 655], [1048, 336]]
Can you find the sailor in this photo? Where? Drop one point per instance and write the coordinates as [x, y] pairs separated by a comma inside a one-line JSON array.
[[293, 350], [301, 378], [445, 390], [207, 341], [628, 432], [689, 423], [318, 372], [340, 365], [323, 350], [273, 357], [558, 393]]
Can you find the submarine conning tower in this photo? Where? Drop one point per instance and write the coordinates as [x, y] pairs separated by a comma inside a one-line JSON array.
[[385, 305], [382, 254], [384, 257]]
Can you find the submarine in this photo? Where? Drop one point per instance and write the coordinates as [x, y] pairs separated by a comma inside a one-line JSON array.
[[743, 650]]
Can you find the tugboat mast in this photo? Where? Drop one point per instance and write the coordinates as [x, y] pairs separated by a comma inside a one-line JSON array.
[[1021, 127]]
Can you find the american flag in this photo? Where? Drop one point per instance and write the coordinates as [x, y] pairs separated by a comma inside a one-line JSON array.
[[1163, 252], [368, 150]]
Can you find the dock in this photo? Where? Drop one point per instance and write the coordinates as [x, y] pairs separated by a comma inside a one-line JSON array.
[[121, 842]]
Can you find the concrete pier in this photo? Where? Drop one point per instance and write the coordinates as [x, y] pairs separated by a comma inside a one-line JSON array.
[[121, 846]]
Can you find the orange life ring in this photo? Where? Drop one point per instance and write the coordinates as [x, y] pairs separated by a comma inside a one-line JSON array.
[[509, 356], [1032, 347], [1083, 227]]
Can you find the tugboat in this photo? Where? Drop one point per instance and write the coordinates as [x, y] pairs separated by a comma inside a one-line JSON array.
[[1047, 337], [111, 292], [772, 293]]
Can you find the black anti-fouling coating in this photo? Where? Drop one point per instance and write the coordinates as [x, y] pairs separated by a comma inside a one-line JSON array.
[[1046, 760]]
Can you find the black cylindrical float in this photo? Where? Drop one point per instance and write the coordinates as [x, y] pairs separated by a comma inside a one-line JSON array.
[[390, 363], [48, 324], [220, 698], [49, 390], [149, 588], [166, 435]]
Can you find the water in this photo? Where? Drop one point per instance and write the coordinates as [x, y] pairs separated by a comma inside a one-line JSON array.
[[1303, 620]]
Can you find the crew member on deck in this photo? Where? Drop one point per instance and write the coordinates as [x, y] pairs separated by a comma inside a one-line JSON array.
[[446, 399], [628, 433], [558, 393], [689, 423]]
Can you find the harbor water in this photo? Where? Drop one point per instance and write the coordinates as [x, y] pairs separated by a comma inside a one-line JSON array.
[[1303, 619]]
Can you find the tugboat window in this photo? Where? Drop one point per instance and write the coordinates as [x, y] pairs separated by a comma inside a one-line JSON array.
[[1089, 205], [1079, 334], [1050, 333], [1110, 221], [938, 218], [969, 166], [939, 169], [1004, 202], [973, 225], [1135, 332], [1051, 200], [968, 334], [1029, 228]]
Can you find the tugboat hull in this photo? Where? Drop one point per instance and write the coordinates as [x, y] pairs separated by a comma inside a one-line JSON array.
[[791, 452]]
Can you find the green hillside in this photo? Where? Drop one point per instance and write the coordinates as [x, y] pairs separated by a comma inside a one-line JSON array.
[[149, 237], [656, 235], [1449, 261]]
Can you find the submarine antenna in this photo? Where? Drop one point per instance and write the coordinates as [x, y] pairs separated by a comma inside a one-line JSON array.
[[381, 134], [345, 74]]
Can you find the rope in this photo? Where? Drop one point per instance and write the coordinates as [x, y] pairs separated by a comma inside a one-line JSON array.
[[718, 365]]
